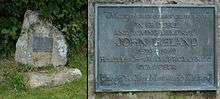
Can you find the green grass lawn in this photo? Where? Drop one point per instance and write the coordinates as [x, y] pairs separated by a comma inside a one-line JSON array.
[[13, 86]]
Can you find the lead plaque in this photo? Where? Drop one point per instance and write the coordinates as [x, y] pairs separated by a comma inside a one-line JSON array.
[[155, 48], [42, 44]]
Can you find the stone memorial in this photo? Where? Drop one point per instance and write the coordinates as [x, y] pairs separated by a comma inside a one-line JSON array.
[[40, 45], [153, 49]]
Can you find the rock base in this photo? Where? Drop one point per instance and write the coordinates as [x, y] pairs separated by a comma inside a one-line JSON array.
[[38, 79]]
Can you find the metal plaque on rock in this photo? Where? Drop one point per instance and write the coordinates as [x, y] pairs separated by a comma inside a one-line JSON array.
[[42, 44], [154, 48]]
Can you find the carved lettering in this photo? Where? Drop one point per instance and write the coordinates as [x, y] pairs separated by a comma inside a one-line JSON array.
[[163, 42]]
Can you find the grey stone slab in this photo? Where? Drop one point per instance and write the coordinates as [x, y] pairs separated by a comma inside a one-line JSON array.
[[155, 48], [61, 76]]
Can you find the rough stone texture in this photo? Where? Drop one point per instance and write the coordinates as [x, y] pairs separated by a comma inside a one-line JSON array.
[[37, 79], [32, 28], [141, 95], [158, 95], [66, 75]]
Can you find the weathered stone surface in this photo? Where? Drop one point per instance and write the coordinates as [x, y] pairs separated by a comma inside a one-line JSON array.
[[194, 2], [37, 79], [177, 2], [40, 43], [66, 75]]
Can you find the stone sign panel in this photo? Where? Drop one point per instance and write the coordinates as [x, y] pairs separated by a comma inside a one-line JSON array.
[[155, 48]]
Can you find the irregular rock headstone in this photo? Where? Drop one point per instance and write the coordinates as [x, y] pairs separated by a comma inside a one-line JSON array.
[[40, 43]]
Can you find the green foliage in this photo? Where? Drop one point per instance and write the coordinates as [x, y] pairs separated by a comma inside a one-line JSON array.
[[68, 16], [9, 30]]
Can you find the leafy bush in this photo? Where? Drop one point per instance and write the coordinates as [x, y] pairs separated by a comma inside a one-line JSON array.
[[9, 30], [69, 16]]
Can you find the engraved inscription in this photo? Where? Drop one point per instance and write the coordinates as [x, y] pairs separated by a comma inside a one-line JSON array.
[[141, 48], [176, 42]]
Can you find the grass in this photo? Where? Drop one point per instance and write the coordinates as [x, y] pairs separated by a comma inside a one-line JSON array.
[[13, 84]]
